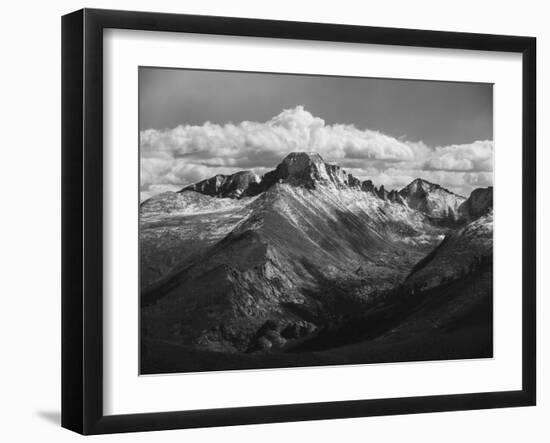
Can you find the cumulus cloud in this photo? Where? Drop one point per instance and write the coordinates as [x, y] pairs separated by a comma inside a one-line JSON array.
[[172, 158], [477, 156]]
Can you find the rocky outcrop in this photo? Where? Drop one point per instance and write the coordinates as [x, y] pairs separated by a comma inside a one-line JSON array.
[[395, 197], [306, 169], [225, 186], [432, 199], [478, 204], [367, 186], [381, 192]]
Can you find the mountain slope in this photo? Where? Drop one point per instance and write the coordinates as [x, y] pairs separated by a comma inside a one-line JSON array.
[[175, 227], [451, 289], [456, 255], [270, 255], [232, 186], [479, 203], [277, 262]]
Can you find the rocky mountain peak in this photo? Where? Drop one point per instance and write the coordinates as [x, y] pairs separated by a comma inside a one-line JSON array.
[[381, 192], [297, 162], [307, 169], [431, 199], [230, 186], [367, 186], [478, 204], [302, 168], [419, 185]]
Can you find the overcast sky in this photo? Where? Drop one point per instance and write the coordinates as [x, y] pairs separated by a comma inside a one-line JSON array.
[[195, 124]]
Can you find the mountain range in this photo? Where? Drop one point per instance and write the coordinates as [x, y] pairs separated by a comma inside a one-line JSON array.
[[307, 264]]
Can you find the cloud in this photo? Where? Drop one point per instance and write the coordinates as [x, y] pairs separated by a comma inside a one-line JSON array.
[[171, 158], [477, 156]]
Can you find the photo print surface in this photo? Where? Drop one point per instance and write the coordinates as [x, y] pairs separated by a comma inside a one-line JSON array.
[[301, 220]]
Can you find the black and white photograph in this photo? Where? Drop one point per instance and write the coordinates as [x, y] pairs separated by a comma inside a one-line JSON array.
[[301, 220], [272, 222]]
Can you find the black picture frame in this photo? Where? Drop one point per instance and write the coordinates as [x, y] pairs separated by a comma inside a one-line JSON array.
[[82, 218]]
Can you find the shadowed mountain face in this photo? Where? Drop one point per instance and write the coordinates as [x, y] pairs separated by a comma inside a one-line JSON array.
[[232, 186], [261, 270], [479, 203]]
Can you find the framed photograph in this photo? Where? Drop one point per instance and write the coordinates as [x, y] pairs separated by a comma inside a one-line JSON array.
[[269, 221]]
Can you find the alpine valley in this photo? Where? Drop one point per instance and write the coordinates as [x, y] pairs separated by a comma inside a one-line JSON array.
[[308, 265]]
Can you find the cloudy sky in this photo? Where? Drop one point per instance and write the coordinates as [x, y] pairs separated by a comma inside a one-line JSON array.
[[195, 124]]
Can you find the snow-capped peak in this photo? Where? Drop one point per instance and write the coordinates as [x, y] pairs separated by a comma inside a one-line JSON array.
[[431, 199]]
